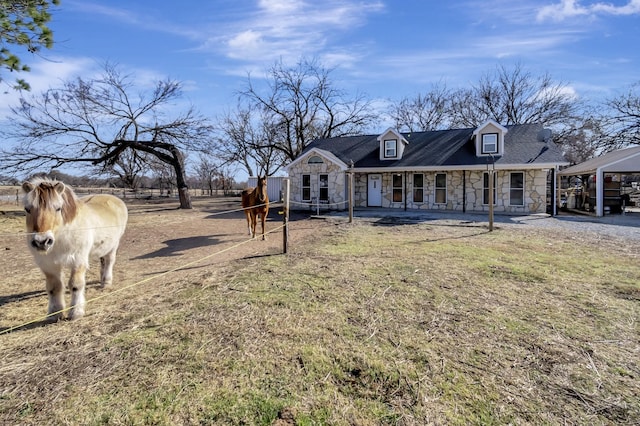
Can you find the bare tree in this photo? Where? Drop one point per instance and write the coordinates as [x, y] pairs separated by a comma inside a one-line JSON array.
[[514, 96], [582, 141], [164, 175], [301, 104], [129, 168], [99, 121], [623, 120], [207, 171], [425, 112], [247, 136]]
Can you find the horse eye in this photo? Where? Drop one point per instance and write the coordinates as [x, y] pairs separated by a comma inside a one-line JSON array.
[[27, 209]]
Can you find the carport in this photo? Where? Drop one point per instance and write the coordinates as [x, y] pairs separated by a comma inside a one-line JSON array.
[[603, 175]]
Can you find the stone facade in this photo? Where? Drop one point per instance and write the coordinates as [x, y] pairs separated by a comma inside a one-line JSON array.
[[337, 185], [459, 196], [464, 189]]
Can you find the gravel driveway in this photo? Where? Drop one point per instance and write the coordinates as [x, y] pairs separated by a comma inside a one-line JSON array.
[[625, 226]]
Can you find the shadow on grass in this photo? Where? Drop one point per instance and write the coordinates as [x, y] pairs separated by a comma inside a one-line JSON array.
[[26, 327], [13, 298], [177, 246]]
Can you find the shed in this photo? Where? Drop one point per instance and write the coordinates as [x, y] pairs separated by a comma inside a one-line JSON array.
[[622, 161]]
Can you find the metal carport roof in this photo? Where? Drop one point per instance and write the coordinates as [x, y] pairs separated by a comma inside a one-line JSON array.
[[620, 161]]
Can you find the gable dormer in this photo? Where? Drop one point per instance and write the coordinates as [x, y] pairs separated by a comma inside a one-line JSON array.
[[392, 145], [489, 139]]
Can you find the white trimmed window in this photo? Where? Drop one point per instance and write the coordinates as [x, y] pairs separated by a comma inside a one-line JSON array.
[[441, 188], [397, 188], [489, 143], [418, 188], [516, 189], [485, 188], [306, 187], [390, 148], [324, 187]]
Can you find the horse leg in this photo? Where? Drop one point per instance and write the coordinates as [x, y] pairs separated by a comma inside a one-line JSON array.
[[263, 216], [248, 214], [106, 268], [56, 295], [254, 222], [76, 286]]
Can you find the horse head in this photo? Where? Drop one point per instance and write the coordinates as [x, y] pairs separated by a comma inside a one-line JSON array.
[[261, 189], [48, 204]]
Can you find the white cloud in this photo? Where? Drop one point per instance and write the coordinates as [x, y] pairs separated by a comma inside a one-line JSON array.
[[45, 75], [632, 8], [573, 8], [285, 29]]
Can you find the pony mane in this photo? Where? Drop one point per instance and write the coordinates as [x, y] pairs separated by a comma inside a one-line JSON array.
[[44, 189]]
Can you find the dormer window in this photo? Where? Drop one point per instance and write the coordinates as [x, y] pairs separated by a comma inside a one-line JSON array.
[[390, 148], [392, 145], [488, 139], [489, 143]]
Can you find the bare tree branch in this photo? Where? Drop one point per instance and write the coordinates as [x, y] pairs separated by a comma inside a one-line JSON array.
[[99, 122]]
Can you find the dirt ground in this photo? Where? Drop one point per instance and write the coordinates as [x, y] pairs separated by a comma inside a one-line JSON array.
[[161, 243]]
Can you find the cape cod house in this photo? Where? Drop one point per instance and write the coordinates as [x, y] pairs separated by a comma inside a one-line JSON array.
[[443, 170]]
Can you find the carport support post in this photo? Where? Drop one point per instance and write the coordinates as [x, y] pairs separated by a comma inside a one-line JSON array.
[[285, 217], [491, 172], [350, 181]]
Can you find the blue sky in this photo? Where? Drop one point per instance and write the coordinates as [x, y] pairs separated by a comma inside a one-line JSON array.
[[385, 49]]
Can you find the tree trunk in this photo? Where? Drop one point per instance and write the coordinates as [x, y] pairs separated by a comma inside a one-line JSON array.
[[185, 198], [181, 179]]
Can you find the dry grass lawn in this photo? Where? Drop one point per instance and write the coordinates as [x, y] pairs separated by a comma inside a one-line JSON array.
[[358, 324]]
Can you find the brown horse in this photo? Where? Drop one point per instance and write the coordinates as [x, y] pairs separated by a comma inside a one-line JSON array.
[[64, 231], [255, 202]]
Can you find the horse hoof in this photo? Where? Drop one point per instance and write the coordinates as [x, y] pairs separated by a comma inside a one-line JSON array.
[[76, 314], [51, 318]]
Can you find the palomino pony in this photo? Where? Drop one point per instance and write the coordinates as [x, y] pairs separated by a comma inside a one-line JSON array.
[[64, 231], [255, 202]]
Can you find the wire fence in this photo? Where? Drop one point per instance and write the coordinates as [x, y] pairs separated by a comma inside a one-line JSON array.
[[14, 195], [283, 228]]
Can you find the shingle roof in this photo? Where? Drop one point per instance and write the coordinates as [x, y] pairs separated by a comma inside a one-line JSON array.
[[523, 145]]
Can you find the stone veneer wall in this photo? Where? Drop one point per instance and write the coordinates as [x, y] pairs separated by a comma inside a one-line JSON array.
[[337, 184], [535, 192]]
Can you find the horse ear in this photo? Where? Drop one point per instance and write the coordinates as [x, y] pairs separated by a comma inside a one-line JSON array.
[[59, 187], [27, 187]]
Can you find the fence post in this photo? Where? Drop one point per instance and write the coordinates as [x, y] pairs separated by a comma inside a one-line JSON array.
[[285, 217]]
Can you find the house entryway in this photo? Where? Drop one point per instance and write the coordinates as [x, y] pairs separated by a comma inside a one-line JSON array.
[[374, 190]]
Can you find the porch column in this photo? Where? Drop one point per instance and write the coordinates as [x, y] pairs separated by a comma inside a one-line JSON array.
[[599, 192]]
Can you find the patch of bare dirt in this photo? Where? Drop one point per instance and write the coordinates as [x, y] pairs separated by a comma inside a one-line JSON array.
[[162, 243]]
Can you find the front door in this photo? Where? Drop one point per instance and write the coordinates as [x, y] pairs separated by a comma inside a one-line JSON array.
[[374, 192]]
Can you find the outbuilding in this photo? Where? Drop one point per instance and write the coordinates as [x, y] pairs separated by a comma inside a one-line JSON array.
[[603, 179]]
